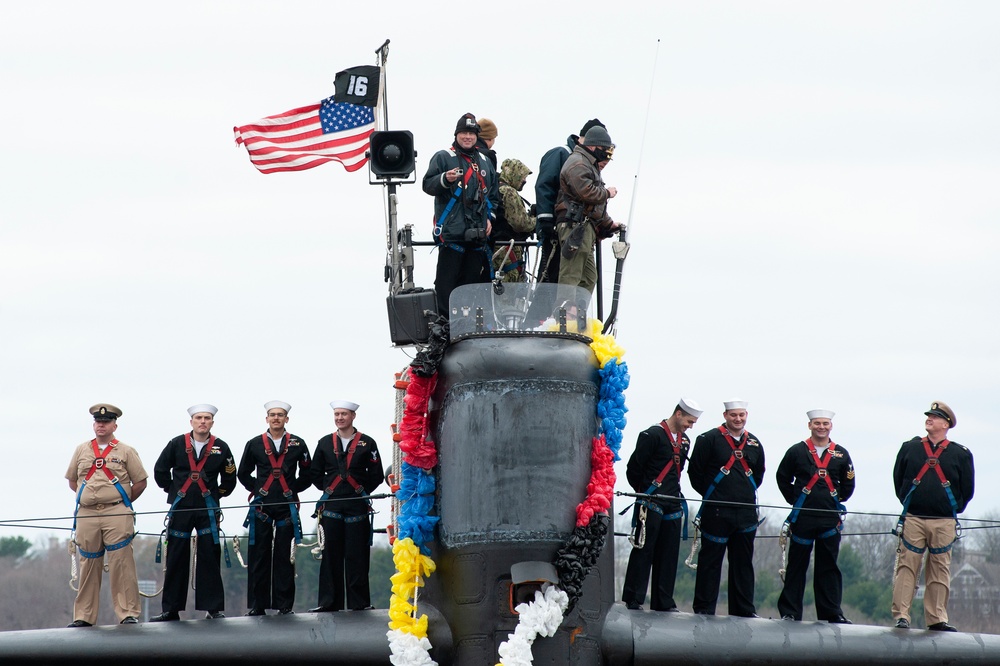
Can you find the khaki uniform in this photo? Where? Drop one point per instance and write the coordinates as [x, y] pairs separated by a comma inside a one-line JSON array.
[[103, 520], [929, 533]]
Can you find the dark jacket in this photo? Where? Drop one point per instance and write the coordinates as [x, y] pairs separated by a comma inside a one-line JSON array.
[[653, 451], [365, 468], [711, 452], [255, 468], [475, 201], [491, 154], [796, 470], [929, 498], [172, 470], [547, 184], [580, 183]]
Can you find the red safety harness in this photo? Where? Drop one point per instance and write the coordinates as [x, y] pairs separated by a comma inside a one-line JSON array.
[[932, 463], [473, 169], [736, 455], [196, 466], [821, 465], [345, 474], [277, 464], [675, 461], [99, 461]]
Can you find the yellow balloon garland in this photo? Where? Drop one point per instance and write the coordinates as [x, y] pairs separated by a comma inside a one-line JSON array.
[[411, 569]]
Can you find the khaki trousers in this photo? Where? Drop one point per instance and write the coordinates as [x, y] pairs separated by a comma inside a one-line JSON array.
[[580, 270], [97, 527], [921, 533]]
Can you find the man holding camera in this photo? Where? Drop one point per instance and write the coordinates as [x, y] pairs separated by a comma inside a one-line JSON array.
[[464, 185], [581, 208]]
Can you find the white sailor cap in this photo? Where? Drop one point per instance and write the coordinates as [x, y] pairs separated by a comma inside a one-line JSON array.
[[820, 414], [690, 407], [345, 404], [736, 403], [277, 404], [198, 409]]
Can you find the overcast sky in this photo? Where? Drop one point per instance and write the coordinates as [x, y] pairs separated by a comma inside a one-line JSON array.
[[815, 220]]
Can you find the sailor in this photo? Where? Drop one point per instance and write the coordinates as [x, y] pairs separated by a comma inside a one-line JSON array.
[[727, 468], [815, 476], [655, 469], [347, 468], [465, 188], [107, 476], [274, 469], [934, 480], [195, 469]]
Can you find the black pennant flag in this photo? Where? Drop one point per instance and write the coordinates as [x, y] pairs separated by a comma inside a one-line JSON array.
[[357, 85]]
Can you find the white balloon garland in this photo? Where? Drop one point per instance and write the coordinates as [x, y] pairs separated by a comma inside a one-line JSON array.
[[540, 617], [409, 650]]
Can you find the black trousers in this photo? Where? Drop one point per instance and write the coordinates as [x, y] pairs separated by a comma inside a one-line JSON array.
[[270, 572], [455, 269], [345, 563], [660, 554], [739, 550], [208, 595], [828, 584]]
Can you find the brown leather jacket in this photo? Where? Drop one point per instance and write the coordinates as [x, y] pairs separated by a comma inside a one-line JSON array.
[[580, 182]]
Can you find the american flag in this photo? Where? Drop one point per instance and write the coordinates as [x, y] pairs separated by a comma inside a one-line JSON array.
[[309, 136]]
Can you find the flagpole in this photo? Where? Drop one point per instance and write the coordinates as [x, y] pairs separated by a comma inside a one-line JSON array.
[[382, 55], [399, 263]]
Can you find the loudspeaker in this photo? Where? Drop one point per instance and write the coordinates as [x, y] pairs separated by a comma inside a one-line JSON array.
[[409, 313]]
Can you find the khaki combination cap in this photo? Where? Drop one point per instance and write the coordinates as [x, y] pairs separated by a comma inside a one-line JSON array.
[[939, 408], [103, 411]]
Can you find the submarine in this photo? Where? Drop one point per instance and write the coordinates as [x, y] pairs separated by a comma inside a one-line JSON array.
[[503, 482], [503, 472]]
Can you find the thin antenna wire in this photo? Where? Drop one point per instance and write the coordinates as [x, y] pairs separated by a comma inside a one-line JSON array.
[[642, 143]]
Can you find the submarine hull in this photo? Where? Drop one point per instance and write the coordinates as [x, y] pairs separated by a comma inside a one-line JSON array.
[[513, 418]]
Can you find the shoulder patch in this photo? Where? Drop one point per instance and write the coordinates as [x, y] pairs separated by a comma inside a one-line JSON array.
[[850, 473]]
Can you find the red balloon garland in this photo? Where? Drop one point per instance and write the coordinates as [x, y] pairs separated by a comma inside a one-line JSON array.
[[602, 483], [420, 452]]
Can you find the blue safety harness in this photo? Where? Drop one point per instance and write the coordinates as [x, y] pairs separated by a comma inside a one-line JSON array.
[[932, 462], [820, 473], [256, 505], [737, 454], [187, 535], [456, 195], [675, 461], [195, 475], [100, 463], [345, 475]]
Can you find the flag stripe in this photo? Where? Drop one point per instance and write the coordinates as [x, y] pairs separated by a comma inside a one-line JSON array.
[[316, 138], [284, 156]]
